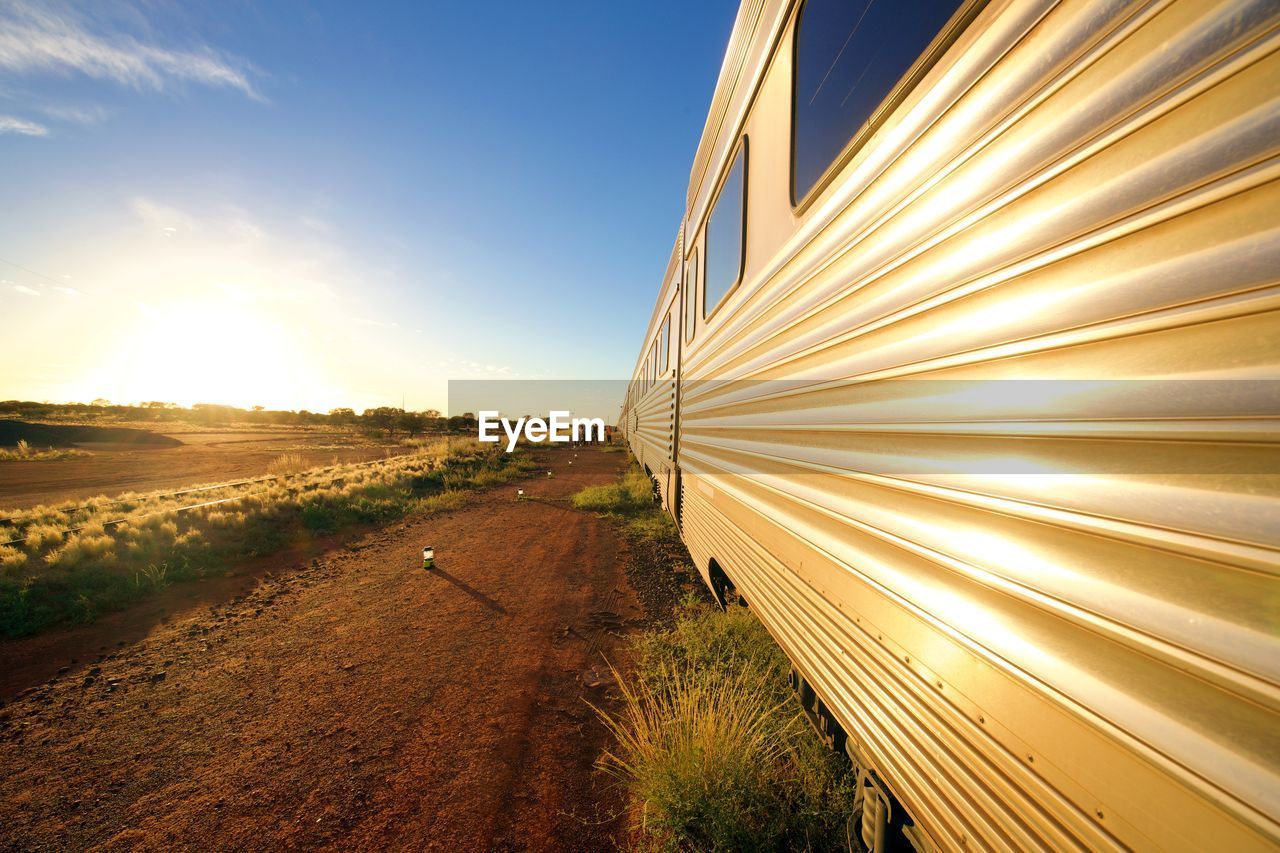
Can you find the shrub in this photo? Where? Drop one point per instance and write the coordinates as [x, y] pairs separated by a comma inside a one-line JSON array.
[[319, 515]]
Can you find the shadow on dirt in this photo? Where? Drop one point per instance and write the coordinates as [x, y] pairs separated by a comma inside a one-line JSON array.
[[66, 435], [469, 590]]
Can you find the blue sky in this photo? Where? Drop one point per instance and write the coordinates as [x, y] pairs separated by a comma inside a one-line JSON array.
[[336, 204]]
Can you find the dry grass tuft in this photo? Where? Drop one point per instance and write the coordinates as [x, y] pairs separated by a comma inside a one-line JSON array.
[[713, 749], [42, 535], [11, 560], [81, 549], [287, 463], [24, 452]]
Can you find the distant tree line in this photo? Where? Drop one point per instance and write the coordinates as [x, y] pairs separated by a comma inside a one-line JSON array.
[[384, 420]]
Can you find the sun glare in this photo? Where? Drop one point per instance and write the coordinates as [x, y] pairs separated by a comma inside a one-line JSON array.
[[211, 351]]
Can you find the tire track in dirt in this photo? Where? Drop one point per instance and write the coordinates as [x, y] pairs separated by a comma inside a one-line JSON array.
[[356, 702]]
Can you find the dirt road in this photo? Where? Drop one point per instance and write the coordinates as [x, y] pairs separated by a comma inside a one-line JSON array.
[[354, 702]]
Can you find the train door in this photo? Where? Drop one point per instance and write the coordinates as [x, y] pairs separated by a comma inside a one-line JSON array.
[[686, 304]]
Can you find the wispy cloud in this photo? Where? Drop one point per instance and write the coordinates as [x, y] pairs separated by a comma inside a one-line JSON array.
[[36, 39], [315, 223], [26, 291], [74, 114], [164, 219], [465, 368], [12, 124], [66, 291]]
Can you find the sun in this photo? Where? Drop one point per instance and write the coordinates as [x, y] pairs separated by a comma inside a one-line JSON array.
[[212, 350]]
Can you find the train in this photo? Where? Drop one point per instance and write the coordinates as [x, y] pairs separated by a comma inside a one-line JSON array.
[[962, 375]]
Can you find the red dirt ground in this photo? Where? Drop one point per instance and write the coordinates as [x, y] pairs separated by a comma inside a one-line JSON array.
[[352, 702], [209, 457]]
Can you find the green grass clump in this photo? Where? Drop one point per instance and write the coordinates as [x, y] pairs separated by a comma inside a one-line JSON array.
[[632, 500], [713, 749], [443, 502], [654, 525], [632, 494], [707, 641]]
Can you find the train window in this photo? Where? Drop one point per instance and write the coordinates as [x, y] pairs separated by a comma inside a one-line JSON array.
[[725, 228], [725, 232], [691, 298], [849, 57], [664, 347]]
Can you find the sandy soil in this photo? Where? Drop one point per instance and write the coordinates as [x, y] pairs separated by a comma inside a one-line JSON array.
[[207, 457], [351, 701]]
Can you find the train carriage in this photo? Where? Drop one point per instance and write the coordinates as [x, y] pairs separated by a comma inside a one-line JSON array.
[[963, 375], [650, 422]]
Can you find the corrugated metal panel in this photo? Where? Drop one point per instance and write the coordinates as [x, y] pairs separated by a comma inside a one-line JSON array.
[[655, 414], [1047, 608], [652, 413], [748, 50]]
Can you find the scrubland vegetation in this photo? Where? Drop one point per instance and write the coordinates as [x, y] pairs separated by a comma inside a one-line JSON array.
[[75, 561], [386, 420], [24, 452], [712, 747]]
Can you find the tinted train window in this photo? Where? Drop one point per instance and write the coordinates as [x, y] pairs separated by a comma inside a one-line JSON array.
[[724, 236], [691, 298], [664, 347], [848, 58]]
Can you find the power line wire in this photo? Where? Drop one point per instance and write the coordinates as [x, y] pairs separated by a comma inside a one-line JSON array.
[[59, 282]]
